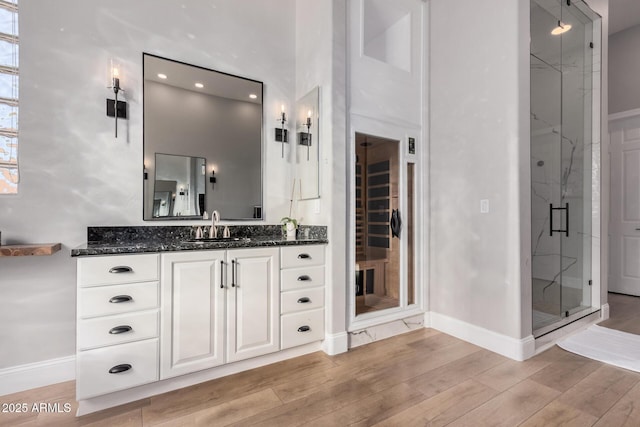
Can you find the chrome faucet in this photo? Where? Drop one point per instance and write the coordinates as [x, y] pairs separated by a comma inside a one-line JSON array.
[[215, 219]]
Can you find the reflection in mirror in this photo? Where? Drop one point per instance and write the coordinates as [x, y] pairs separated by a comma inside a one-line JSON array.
[[196, 122], [179, 187], [308, 144]]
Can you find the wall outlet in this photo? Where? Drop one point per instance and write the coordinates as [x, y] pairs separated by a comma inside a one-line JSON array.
[[484, 206]]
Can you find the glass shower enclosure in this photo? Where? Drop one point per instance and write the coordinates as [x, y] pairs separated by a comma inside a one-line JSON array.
[[565, 41]]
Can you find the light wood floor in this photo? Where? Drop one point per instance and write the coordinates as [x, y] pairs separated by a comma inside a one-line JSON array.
[[420, 378]]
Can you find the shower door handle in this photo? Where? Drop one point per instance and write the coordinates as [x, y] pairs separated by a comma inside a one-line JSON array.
[[395, 223], [566, 219]]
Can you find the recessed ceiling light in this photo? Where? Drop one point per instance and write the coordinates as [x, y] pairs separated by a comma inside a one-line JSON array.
[[561, 28], [253, 96], [199, 85], [162, 76]]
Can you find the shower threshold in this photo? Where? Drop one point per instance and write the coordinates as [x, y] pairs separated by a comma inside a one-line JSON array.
[[561, 323]]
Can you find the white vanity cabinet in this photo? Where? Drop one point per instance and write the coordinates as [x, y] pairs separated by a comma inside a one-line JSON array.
[[117, 323], [146, 321], [253, 303], [302, 296], [218, 307], [193, 302]]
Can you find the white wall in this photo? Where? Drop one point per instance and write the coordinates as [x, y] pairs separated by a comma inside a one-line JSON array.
[[624, 70], [74, 173], [320, 61], [479, 137]]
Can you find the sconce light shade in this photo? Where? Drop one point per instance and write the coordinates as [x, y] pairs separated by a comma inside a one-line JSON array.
[[212, 178], [114, 74], [282, 135]]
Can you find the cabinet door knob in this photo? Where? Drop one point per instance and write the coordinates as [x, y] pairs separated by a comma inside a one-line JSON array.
[[120, 298], [304, 300], [121, 269], [304, 278], [120, 329], [120, 368], [304, 328], [304, 256]]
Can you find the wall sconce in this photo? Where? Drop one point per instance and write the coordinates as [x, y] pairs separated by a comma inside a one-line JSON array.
[[115, 108], [212, 178], [145, 174], [282, 135], [304, 138]]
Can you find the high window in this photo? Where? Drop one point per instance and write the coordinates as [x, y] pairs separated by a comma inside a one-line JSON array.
[[9, 176]]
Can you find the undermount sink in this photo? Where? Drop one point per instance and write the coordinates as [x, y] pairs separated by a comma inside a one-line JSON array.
[[217, 239]]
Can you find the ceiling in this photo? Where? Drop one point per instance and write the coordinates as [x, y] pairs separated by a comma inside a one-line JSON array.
[[623, 14]]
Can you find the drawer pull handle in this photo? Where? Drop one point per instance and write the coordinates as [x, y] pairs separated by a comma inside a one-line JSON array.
[[304, 300], [120, 368], [121, 269], [233, 272], [304, 329], [304, 256], [304, 278], [120, 329], [120, 298], [221, 274]]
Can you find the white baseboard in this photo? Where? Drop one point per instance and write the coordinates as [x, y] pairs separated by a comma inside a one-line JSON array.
[[517, 349], [604, 312], [427, 319], [336, 343], [39, 374]]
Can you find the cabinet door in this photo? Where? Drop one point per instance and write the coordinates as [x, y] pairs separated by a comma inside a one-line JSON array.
[[253, 303], [192, 320]]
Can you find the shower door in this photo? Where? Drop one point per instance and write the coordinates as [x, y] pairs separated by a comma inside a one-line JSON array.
[[562, 47]]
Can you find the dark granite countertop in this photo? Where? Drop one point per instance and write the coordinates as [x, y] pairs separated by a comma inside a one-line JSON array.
[[131, 240]]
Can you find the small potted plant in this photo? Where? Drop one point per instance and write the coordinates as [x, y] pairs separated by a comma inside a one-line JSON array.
[[289, 226]]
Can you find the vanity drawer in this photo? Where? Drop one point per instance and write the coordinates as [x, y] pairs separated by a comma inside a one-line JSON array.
[[300, 256], [302, 299], [110, 330], [302, 328], [115, 299], [105, 270], [137, 360], [298, 278]]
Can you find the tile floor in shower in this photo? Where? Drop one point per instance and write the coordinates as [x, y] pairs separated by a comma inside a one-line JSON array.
[[547, 307]]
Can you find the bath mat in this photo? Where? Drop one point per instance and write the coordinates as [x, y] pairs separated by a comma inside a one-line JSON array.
[[605, 345]]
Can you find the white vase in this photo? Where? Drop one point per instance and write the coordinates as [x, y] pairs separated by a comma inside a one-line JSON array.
[[291, 231]]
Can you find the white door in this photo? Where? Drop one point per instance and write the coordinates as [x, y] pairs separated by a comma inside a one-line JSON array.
[[192, 319], [624, 262], [253, 302]]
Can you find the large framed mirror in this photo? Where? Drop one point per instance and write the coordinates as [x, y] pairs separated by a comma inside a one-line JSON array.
[[202, 142]]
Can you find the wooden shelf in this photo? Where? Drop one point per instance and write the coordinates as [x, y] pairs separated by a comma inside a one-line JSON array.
[[39, 249]]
